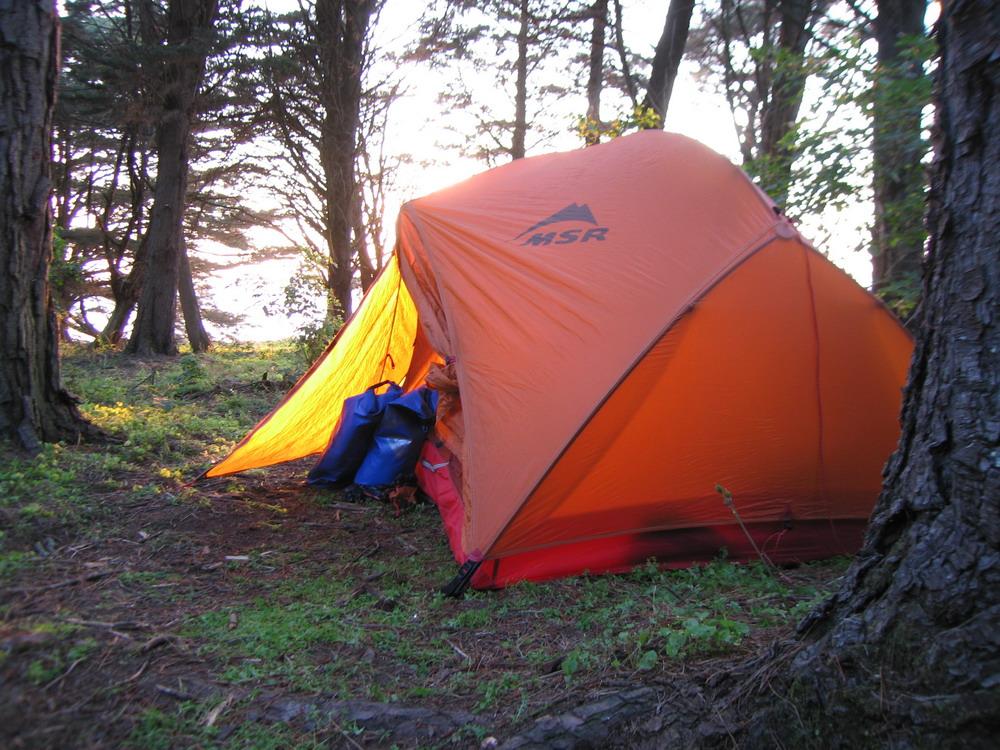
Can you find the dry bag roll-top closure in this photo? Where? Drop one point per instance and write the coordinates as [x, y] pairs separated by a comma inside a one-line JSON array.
[[378, 437]]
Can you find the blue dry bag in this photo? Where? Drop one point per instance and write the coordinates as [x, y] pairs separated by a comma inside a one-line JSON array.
[[399, 438], [350, 441]]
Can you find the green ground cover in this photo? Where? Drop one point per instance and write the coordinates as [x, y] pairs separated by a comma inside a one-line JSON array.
[[123, 623]]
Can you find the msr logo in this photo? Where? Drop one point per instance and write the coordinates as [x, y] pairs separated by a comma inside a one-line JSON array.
[[575, 213]]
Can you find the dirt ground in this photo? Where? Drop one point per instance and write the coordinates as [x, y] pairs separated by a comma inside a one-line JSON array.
[[141, 610], [115, 649]]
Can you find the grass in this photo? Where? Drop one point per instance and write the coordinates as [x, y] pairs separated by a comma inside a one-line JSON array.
[[308, 634], [318, 600], [172, 419]]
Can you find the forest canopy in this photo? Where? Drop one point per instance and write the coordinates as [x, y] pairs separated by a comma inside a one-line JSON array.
[[290, 133]]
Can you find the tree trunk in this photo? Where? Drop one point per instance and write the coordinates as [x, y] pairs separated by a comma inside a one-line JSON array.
[[126, 294], [784, 98], [366, 272], [908, 652], [153, 332], [627, 79], [33, 405], [667, 58], [125, 288], [595, 78], [517, 146], [193, 325], [897, 150], [341, 29], [187, 21]]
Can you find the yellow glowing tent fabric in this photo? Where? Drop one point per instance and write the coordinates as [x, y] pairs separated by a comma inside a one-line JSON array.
[[376, 345]]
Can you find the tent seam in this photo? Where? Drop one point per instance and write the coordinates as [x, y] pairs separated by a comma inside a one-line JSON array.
[[751, 249], [821, 428], [418, 226]]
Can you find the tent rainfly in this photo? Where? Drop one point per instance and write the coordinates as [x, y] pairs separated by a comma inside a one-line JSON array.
[[632, 325]]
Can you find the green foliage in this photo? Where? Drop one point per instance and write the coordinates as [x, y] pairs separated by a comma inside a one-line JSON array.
[[65, 272], [494, 689], [678, 614], [639, 118], [39, 496], [192, 379], [278, 635], [13, 561], [899, 94], [830, 144], [576, 660], [167, 430], [471, 618], [702, 632], [58, 658], [865, 106], [162, 730], [104, 121], [41, 671], [318, 327], [156, 729], [313, 338]]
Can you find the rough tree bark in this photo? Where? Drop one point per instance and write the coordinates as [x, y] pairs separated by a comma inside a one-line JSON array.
[[187, 23], [33, 405], [897, 150], [341, 29], [667, 58]]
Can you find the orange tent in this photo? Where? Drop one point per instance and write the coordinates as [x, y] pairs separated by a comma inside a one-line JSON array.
[[632, 324]]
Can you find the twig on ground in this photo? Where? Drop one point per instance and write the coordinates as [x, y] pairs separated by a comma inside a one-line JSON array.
[[727, 499], [151, 379], [139, 672], [367, 553], [725, 725], [63, 676], [97, 574], [353, 507], [125, 625], [155, 641], [213, 716], [458, 651], [173, 693], [406, 544], [345, 735]]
